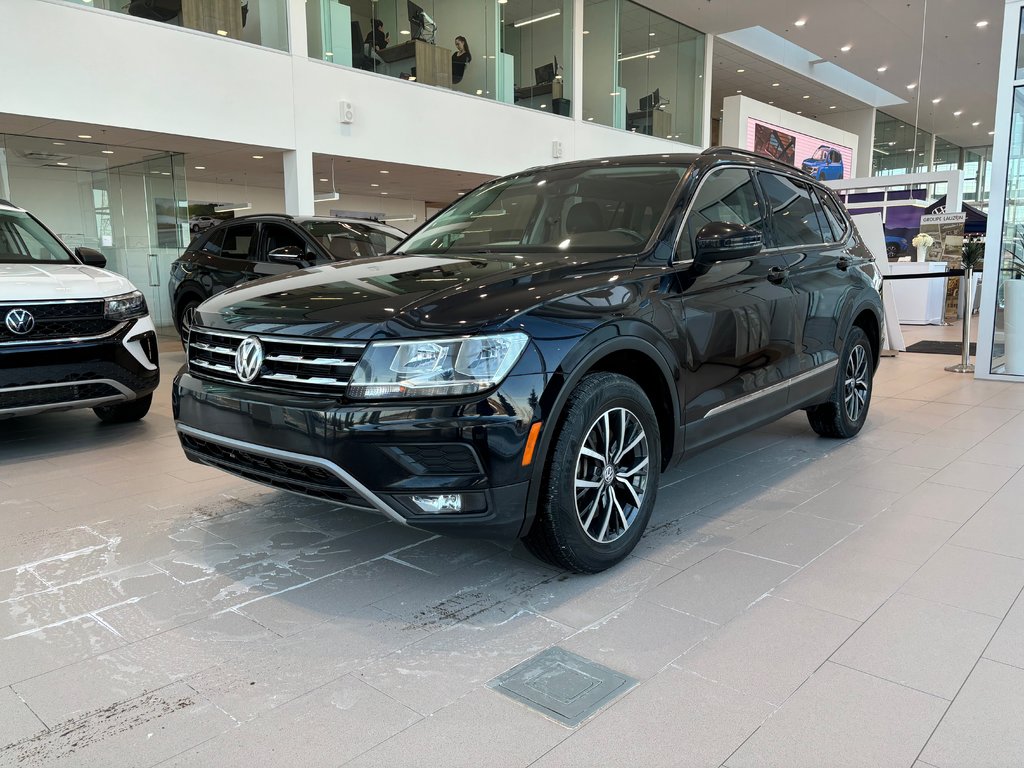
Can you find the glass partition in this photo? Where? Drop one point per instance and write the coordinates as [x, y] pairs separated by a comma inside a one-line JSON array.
[[536, 44], [446, 43], [899, 148], [642, 71], [263, 22]]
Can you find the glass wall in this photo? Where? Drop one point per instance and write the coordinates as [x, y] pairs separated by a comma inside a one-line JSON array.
[[977, 182], [899, 148], [126, 202], [536, 45], [446, 43], [263, 22], [641, 71]]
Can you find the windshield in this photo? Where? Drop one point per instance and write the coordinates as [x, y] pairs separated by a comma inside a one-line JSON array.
[[604, 209], [350, 241], [820, 154], [24, 241]]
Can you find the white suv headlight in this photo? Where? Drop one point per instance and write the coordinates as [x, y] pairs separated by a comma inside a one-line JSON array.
[[127, 306], [435, 367]]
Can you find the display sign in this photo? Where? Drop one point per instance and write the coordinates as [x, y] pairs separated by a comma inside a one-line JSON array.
[[822, 160], [947, 231]]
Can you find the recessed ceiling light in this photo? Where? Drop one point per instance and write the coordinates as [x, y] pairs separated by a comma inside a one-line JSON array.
[[199, 167], [106, 151], [800, 22], [846, 48], [585, 32], [976, 123], [385, 171], [912, 86], [222, 32], [257, 157], [981, 24], [374, 185], [991, 133], [799, 112], [739, 91], [61, 163], [740, 71], [771, 102], [461, 194], [775, 85], [882, 69], [404, 32], [324, 179], [832, 107], [806, 97], [650, 34], [58, 143], [84, 136], [383, 193], [958, 113], [936, 101]]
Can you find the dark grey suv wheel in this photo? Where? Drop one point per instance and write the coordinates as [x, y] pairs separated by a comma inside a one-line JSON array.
[[845, 412]]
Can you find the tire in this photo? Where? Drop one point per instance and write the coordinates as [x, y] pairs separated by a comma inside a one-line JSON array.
[[184, 315], [846, 410], [122, 413], [593, 512]]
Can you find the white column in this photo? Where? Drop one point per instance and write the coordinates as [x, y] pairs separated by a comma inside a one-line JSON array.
[[297, 42], [577, 60], [298, 183], [709, 59]]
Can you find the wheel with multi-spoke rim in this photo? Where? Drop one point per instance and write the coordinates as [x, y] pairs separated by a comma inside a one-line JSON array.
[[186, 317], [601, 478], [844, 414]]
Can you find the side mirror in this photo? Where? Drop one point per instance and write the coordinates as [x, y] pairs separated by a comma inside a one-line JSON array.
[[719, 241], [289, 254], [91, 257]]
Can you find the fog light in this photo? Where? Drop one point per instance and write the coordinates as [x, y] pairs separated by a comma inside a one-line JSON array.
[[439, 504]]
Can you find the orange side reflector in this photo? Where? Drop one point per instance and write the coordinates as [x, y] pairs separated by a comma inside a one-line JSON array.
[[531, 443]]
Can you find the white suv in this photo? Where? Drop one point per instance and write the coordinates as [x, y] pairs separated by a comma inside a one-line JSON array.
[[72, 335]]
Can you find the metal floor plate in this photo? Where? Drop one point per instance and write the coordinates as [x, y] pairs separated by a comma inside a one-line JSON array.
[[562, 685]]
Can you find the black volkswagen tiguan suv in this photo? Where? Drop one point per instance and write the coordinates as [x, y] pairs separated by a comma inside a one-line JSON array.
[[532, 359]]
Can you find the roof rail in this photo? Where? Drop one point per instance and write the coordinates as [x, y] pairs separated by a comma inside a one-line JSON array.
[[7, 203], [711, 151]]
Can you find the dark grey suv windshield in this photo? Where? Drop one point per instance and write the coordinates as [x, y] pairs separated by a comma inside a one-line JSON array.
[[24, 241], [609, 208]]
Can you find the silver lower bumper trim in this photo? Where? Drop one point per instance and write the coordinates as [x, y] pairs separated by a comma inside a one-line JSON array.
[[300, 458], [66, 405]]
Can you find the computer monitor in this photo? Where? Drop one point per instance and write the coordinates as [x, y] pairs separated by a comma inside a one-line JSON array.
[[421, 25], [545, 74], [651, 101]]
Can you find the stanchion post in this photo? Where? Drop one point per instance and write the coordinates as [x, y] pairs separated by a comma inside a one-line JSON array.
[[965, 366]]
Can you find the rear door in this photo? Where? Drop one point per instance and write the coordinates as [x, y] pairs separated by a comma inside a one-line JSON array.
[[737, 315], [227, 257]]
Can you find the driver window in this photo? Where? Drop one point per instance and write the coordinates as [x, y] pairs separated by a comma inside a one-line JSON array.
[[279, 236], [727, 195]]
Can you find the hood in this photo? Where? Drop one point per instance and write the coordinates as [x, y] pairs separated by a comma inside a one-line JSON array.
[[409, 294], [812, 162], [39, 282]]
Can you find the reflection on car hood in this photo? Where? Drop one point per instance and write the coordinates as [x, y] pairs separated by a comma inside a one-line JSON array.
[[408, 294], [33, 282]]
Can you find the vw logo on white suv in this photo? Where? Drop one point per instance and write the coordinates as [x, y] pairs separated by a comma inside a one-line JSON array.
[[249, 359], [20, 321]]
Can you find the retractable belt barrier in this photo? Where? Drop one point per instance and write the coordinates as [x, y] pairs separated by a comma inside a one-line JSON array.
[[949, 273]]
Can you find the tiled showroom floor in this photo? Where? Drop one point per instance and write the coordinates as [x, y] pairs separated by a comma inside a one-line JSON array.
[[795, 602]]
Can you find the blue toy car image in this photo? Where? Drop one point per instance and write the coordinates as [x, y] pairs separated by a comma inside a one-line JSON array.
[[826, 164], [894, 246]]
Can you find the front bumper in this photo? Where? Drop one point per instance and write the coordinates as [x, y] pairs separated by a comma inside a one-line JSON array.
[[79, 373], [375, 456]]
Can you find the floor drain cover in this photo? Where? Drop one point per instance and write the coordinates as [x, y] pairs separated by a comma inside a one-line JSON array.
[[562, 685]]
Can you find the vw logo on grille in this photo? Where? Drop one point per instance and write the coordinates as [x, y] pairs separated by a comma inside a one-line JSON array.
[[249, 358], [20, 321]]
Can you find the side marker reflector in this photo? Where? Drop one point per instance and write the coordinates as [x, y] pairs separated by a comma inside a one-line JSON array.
[[531, 444]]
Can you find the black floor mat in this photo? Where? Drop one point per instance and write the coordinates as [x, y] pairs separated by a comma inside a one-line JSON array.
[[940, 347]]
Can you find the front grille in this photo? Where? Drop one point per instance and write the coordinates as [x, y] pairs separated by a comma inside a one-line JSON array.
[[73, 319], [291, 365], [288, 475], [437, 459], [70, 393]]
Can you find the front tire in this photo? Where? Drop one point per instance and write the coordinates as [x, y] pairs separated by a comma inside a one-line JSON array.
[[122, 413], [185, 317], [847, 409], [602, 477]]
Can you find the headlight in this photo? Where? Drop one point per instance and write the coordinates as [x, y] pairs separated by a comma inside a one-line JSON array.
[[125, 306], [435, 367]]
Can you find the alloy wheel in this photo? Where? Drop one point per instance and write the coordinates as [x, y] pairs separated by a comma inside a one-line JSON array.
[[612, 470], [855, 388]]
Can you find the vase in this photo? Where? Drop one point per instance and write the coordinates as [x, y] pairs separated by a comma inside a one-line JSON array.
[[1013, 325], [922, 253]]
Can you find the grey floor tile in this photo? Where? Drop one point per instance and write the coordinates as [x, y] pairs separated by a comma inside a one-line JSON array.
[[849, 502], [720, 587], [770, 650], [847, 584], [942, 502], [615, 642], [685, 541], [842, 718], [896, 478], [928, 456], [687, 722], [920, 644], [1008, 644], [326, 727], [795, 538], [1000, 454], [748, 510], [997, 527], [482, 728], [983, 724], [899, 536], [27, 656], [969, 578], [17, 721], [976, 476]]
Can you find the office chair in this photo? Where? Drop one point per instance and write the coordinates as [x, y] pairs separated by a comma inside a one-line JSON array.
[[155, 10]]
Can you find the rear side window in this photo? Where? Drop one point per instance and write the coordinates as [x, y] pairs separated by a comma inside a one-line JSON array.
[[793, 218], [835, 219], [214, 243], [727, 195], [238, 239]]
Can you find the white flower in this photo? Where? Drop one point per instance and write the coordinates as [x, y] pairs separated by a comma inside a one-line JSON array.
[[923, 239]]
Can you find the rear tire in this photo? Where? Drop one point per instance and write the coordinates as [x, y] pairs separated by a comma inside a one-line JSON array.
[[847, 409], [602, 476], [122, 413], [185, 317]]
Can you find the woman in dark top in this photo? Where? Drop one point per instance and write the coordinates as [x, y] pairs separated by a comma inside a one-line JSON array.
[[378, 38], [460, 58]]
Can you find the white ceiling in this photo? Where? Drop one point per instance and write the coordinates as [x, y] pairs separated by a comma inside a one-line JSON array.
[[959, 64]]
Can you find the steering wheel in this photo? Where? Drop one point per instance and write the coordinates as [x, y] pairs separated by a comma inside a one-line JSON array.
[[637, 237]]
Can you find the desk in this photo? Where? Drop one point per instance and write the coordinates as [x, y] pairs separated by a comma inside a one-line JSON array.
[[918, 302], [653, 122], [213, 16], [433, 62]]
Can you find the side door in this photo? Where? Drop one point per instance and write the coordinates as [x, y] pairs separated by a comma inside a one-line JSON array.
[[227, 257], [737, 317], [274, 235], [817, 262]]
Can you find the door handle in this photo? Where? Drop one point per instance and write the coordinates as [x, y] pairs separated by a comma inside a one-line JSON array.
[[843, 263], [777, 275], [154, 269]]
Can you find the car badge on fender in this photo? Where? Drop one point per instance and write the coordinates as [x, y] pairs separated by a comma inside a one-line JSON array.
[[249, 359], [20, 321]]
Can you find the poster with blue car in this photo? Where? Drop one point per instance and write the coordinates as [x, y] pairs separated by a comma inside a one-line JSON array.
[[819, 159]]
